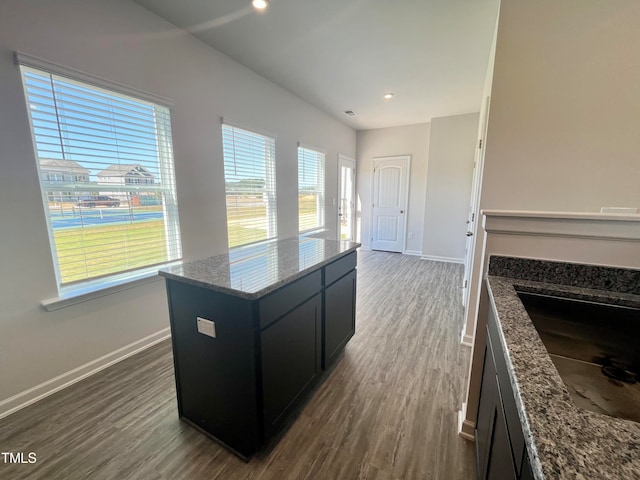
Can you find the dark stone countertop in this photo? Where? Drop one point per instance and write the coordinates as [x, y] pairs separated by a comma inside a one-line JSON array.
[[253, 271], [563, 441]]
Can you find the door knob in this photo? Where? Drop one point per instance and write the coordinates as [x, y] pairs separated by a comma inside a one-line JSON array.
[[401, 211], [469, 234]]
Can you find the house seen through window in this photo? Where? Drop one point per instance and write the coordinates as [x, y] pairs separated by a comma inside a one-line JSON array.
[[105, 165]]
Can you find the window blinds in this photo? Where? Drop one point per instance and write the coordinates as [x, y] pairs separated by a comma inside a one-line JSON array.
[[311, 167], [105, 165], [250, 185]]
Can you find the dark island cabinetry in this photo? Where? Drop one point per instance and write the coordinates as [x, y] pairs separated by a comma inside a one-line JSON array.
[[500, 448], [290, 352], [250, 344]]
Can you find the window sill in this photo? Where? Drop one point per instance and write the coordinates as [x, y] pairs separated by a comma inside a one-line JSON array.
[[90, 292], [315, 233]]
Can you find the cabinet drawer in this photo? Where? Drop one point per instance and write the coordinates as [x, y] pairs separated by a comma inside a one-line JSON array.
[[511, 412], [286, 298], [337, 269]]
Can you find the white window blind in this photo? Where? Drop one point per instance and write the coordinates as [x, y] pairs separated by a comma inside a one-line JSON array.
[[105, 164], [250, 184], [311, 166]]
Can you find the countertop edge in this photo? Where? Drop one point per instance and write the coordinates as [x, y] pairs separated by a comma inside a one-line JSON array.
[[265, 291], [534, 458]]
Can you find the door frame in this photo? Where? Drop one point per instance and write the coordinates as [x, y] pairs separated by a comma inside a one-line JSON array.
[[474, 207], [345, 160], [406, 199]]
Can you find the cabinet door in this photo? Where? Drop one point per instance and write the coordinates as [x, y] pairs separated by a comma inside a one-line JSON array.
[[527, 473], [290, 353], [339, 317], [493, 446], [486, 413], [500, 462]]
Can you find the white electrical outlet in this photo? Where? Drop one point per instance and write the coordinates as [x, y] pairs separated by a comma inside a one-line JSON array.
[[206, 327]]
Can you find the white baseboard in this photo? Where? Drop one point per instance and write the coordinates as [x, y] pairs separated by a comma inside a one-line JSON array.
[[436, 258], [365, 247], [466, 340], [466, 428], [49, 387], [415, 253]]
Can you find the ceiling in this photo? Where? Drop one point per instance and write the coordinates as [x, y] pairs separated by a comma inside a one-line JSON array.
[[345, 54]]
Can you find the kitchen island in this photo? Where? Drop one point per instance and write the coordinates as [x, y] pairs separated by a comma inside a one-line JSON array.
[[254, 330], [529, 426]]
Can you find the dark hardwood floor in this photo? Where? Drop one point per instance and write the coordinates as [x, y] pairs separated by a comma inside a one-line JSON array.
[[386, 411]]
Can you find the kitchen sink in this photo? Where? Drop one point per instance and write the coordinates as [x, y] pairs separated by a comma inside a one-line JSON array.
[[596, 349]]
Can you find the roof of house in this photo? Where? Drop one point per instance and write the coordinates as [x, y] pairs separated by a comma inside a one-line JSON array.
[[64, 164], [124, 170]]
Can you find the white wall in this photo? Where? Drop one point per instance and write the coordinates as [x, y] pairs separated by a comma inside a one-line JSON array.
[[386, 142], [563, 133], [121, 41], [451, 156]]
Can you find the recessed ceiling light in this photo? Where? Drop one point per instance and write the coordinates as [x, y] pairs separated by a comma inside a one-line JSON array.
[[260, 4], [388, 95]]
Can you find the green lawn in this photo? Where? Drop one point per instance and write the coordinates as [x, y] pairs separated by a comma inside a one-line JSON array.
[[100, 250], [239, 235]]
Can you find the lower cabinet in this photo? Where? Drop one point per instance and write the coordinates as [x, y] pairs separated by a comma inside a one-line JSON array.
[[291, 352], [340, 317], [492, 439], [499, 439], [242, 379]]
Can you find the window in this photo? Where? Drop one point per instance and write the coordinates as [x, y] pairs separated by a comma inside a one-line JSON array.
[[310, 189], [250, 185], [88, 140]]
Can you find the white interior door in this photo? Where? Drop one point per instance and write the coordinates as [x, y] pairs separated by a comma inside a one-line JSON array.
[[474, 204], [389, 210], [347, 190]]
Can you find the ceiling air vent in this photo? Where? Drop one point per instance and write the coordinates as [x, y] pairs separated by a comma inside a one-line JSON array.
[[351, 113]]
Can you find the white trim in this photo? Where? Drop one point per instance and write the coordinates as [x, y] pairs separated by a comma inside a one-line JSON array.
[[437, 258], [53, 385], [348, 159], [91, 290], [415, 253], [466, 339], [563, 224], [77, 75], [365, 248], [466, 428], [344, 160], [313, 147], [259, 131]]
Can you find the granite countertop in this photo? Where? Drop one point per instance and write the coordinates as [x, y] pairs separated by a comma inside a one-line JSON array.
[[252, 271], [563, 441]]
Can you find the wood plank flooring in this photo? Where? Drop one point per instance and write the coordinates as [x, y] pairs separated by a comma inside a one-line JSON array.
[[387, 411]]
